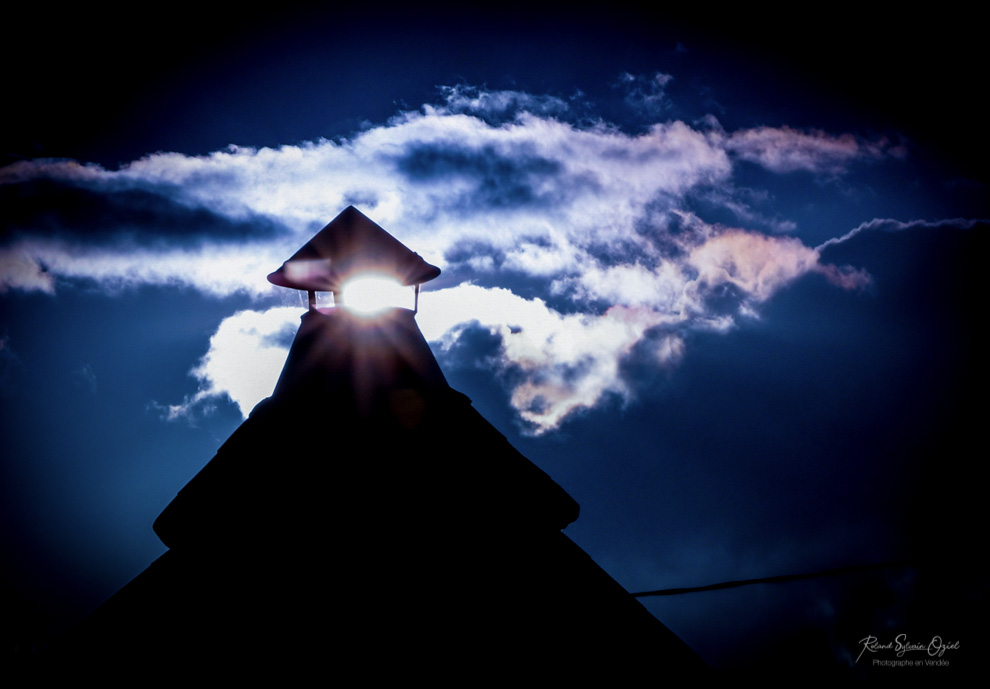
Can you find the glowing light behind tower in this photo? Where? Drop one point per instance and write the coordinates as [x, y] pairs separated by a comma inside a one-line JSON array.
[[367, 294]]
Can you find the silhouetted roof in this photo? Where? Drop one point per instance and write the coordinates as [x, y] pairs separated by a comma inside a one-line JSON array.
[[351, 243], [366, 496], [367, 402]]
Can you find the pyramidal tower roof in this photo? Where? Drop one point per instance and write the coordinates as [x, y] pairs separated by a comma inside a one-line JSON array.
[[349, 244]]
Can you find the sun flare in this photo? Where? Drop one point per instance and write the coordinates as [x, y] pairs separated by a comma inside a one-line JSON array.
[[370, 294]]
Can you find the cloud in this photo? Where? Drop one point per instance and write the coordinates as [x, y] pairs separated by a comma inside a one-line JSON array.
[[34, 265], [105, 211], [755, 264], [561, 362], [587, 229], [535, 186], [20, 270], [500, 106], [488, 178], [557, 363], [244, 360], [783, 149], [891, 225], [646, 94]]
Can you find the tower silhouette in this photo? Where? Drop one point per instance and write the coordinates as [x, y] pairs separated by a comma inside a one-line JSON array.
[[367, 519]]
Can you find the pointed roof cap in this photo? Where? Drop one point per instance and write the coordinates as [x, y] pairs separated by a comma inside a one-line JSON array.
[[351, 243]]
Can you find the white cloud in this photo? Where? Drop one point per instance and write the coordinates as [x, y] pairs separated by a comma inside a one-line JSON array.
[[244, 360], [20, 270], [757, 264], [783, 149], [594, 185], [488, 181], [569, 362], [220, 270]]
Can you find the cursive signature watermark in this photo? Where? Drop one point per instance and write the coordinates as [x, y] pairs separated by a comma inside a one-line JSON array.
[[901, 646]]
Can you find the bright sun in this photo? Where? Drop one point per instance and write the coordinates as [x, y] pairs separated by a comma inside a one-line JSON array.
[[369, 294]]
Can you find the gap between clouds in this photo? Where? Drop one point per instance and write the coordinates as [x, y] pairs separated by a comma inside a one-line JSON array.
[[495, 187]]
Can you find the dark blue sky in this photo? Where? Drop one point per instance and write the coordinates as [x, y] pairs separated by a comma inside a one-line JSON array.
[[718, 276]]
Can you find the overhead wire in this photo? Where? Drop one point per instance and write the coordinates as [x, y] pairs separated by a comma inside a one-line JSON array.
[[835, 571]]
